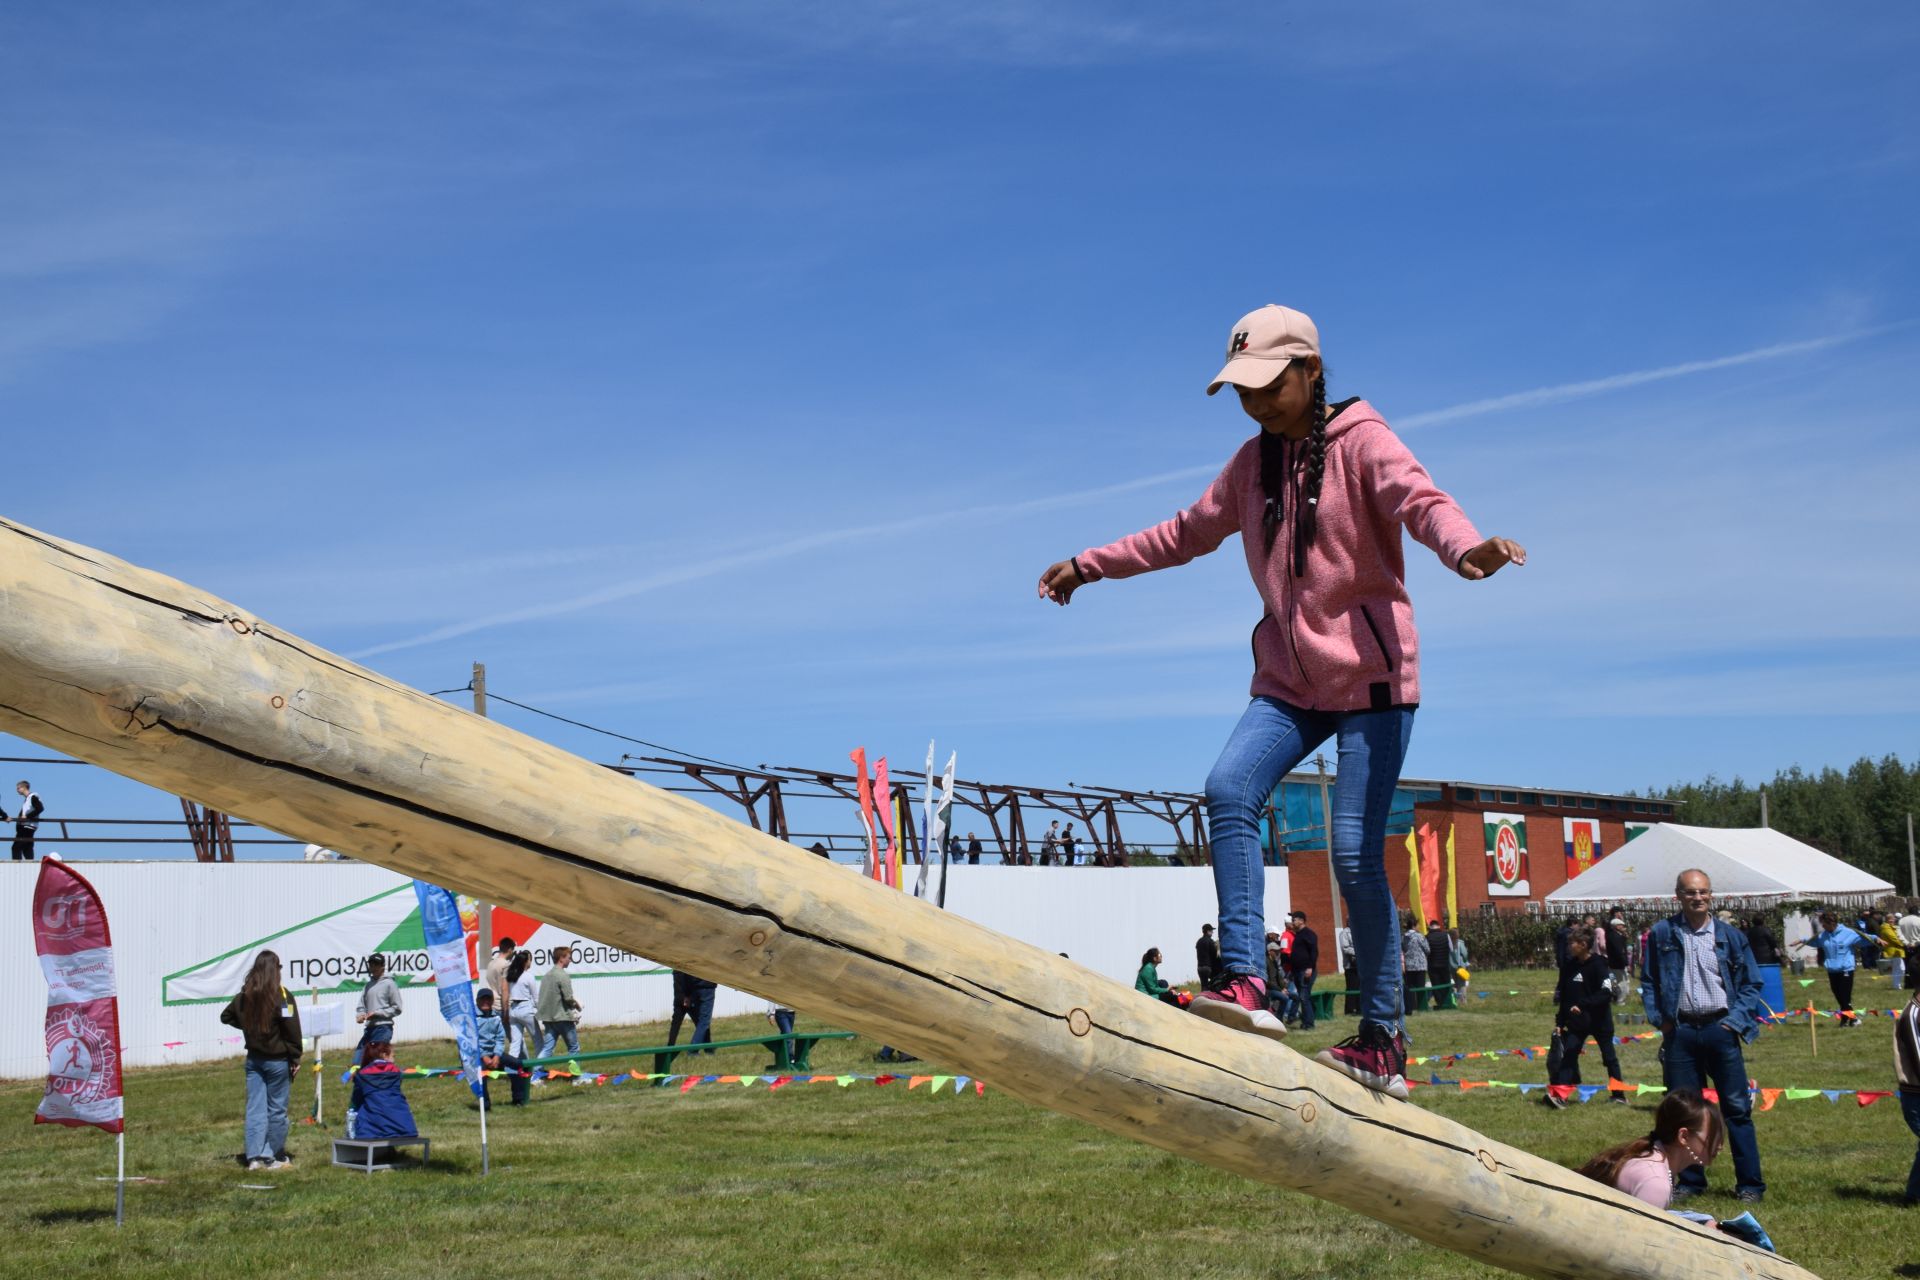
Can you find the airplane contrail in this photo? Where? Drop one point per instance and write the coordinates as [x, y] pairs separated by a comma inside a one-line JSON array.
[[790, 547]]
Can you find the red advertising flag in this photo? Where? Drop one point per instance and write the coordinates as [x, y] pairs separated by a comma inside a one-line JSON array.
[[883, 805], [864, 787], [83, 1008]]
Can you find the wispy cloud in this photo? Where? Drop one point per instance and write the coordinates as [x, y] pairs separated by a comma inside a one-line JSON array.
[[783, 549], [1540, 396]]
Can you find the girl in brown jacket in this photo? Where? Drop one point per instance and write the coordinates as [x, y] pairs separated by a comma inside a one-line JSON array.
[[269, 1021]]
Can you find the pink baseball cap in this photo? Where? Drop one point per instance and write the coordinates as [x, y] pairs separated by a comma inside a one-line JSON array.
[[1264, 343]]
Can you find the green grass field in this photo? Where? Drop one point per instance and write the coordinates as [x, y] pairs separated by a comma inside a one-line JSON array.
[[817, 1180]]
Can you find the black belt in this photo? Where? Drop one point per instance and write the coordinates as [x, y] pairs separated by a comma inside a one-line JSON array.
[[1703, 1019]]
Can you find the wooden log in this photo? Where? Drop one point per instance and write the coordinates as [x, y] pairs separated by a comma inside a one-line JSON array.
[[165, 683]]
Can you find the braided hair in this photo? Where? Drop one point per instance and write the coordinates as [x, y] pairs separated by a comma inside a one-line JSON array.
[[1277, 464]]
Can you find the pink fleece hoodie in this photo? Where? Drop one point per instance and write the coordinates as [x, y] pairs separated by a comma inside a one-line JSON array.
[[1341, 637]]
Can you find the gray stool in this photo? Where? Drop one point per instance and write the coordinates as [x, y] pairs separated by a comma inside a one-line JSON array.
[[372, 1155]]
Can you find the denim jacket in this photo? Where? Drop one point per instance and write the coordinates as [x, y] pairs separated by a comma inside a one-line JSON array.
[[1662, 973]]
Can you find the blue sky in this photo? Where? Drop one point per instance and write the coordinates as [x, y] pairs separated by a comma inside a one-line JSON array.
[[725, 375]]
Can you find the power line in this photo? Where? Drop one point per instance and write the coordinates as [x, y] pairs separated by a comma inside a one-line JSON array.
[[593, 728]]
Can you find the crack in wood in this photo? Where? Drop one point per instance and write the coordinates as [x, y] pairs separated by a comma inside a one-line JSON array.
[[45, 541], [191, 615]]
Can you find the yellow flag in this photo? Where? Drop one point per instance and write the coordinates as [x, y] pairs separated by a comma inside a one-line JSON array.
[[1413, 882], [1453, 895]]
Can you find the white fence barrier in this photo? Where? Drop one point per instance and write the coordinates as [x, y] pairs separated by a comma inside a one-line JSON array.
[[185, 933]]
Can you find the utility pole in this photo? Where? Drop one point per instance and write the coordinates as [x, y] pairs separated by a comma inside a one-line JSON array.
[[1763, 808], [485, 947], [1326, 823]]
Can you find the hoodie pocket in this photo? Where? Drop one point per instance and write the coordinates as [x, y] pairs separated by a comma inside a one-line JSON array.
[[1379, 641]]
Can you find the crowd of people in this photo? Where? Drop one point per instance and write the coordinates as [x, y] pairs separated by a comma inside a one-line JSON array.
[[1699, 982]]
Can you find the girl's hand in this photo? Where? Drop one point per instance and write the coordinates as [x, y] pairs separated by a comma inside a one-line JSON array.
[[1486, 559], [1060, 581]]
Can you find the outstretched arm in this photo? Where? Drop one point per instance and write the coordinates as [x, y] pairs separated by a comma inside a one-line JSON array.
[[1193, 532]]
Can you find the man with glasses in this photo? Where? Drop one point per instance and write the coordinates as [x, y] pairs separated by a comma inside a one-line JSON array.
[[1699, 982]]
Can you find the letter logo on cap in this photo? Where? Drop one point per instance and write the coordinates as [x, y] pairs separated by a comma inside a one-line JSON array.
[[1238, 344]]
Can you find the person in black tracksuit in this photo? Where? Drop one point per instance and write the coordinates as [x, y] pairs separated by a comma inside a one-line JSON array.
[[26, 822], [1585, 998]]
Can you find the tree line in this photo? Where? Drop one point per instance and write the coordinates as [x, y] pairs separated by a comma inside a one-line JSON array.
[[1858, 816]]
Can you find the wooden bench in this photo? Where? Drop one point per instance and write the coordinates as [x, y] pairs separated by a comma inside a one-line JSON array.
[[1441, 997], [365, 1153], [663, 1055]]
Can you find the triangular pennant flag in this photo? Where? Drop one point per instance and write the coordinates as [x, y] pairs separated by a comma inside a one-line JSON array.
[[1711, 1095], [1768, 1097], [1651, 1088], [1801, 1095], [1806, 982], [749, 1081], [938, 1081], [979, 1088], [1472, 1084], [914, 1082], [1501, 1084], [1587, 1091], [960, 1083], [1867, 1097], [1529, 1088], [778, 1082], [844, 1081], [727, 1079], [687, 1085], [1618, 1086], [1833, 1095]]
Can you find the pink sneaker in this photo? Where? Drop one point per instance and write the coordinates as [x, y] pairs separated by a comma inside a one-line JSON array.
[[1242, 1005], [1377, 1058]]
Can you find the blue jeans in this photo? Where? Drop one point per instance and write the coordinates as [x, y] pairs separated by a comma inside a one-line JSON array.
[[1691, 1056], [554, 1033], [373, 1033], [1270, 740], [783, 1023], [703, 1015], [1304, 1000], [516, 1082], [269, 1082], [1910, 1107]]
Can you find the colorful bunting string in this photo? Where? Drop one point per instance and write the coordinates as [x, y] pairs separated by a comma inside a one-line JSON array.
[[688, 1083]]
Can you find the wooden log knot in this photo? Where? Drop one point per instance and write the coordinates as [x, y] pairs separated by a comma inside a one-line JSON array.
[[1080, 1022], [758, 938]]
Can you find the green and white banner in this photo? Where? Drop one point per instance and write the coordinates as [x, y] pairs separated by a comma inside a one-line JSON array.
[[327, 953]]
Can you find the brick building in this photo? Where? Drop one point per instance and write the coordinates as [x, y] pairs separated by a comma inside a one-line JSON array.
[[1555, 830]]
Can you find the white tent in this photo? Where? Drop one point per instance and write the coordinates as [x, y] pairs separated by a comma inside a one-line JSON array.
[[1749, 866]]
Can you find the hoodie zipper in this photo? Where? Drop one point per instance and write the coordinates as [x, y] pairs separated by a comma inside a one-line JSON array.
[[1371, 626]]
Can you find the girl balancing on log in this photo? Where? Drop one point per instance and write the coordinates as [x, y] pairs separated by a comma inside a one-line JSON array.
[[1319, 497]]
